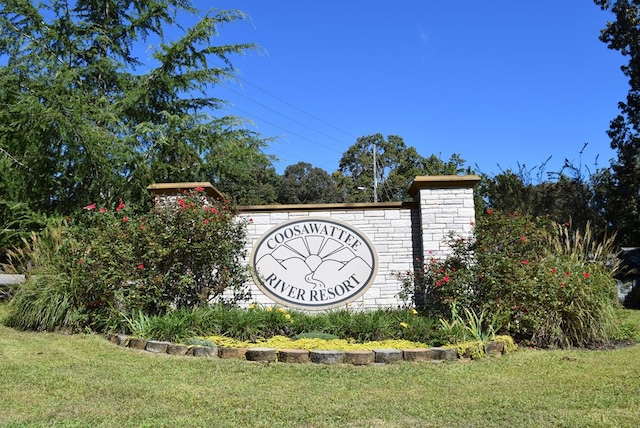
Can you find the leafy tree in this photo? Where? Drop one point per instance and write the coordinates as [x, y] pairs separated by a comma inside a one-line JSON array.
[[568, 196], [302, 183], [85, 117], [396, 167], [622, 187]]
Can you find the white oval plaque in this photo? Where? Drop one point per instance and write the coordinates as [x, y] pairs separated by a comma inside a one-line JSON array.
[[314, 263]]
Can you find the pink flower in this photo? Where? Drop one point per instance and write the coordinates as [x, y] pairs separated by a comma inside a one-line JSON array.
[[445, 279], [553, 271], [213, 210], [142, 226], [525, 262], [125, 219], [562, 285], [489, 211], [250, 220], [523, 238], [80, 261], [206, 221], [181, 202], [567, 274], [103, 210], [120, 205], [89, 207], [141, 266], [199, 189]]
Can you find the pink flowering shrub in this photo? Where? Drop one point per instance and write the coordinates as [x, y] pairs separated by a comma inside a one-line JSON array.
[[114, 262], [542, 283]]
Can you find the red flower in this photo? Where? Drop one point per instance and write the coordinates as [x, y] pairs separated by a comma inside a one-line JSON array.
[[489, 211], [80, 261], [562, 285], [213, 210], [525, 262], [120, 205], [523, 238], [250, 220], [142, 226], [141, 266], [103, 210], [587, 275], [181, 202], [206, 221], [553, 271], [89, 207], [199, 189], [567, 274], [445, 279], [125, 219]]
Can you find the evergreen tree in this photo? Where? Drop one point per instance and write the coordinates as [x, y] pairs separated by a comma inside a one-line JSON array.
[[621, 189], [98, 100]]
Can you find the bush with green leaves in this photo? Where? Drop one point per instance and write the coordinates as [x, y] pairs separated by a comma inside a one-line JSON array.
[[531, 278], [111, 263]]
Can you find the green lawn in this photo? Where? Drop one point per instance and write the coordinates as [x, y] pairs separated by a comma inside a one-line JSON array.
[[83, 380]]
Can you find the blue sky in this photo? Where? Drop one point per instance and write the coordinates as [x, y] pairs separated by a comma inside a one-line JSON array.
[[499, 82]]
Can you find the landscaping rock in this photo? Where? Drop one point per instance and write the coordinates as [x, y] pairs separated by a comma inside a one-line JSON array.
[[232, 352], [387, 356], [204, 351], [418, 355], [293, 356], [359, 358], [495, 348], [177, 349], [123, 340], [157, 347], [445, 354], [137, 343], [113, 338], [263, 355], [327, 357]]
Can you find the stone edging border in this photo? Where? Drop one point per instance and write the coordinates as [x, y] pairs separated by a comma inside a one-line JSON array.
[[270, 355]]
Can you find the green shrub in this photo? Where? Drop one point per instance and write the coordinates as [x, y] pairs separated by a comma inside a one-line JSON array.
[[538, 281]]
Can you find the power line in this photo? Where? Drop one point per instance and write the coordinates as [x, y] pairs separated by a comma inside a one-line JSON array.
[[287, 117], [286, 130], [296, 108]]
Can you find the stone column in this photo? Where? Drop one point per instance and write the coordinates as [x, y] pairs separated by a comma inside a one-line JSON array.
[[445, 204]]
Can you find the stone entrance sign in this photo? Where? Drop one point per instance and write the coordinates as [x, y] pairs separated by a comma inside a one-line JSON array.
[[314, 263], [319, 256]]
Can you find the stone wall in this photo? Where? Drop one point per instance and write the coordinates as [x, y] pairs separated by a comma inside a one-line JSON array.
[[397, 236], [390, 227]]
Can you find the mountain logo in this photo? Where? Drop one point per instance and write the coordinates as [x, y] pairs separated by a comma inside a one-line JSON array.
[[314, 263]]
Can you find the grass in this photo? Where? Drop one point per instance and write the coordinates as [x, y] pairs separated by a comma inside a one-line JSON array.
[[82, 380]]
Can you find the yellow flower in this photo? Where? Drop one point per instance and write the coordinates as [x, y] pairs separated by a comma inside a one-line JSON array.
[[404, 325], [252, 306], [414, 312], [268, 308], [282, 310], [287, 316]]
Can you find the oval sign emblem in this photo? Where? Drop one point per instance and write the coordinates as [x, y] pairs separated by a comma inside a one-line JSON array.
[[314, 263]]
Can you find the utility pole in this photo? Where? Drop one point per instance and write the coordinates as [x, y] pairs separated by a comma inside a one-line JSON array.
[[375, 173]]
